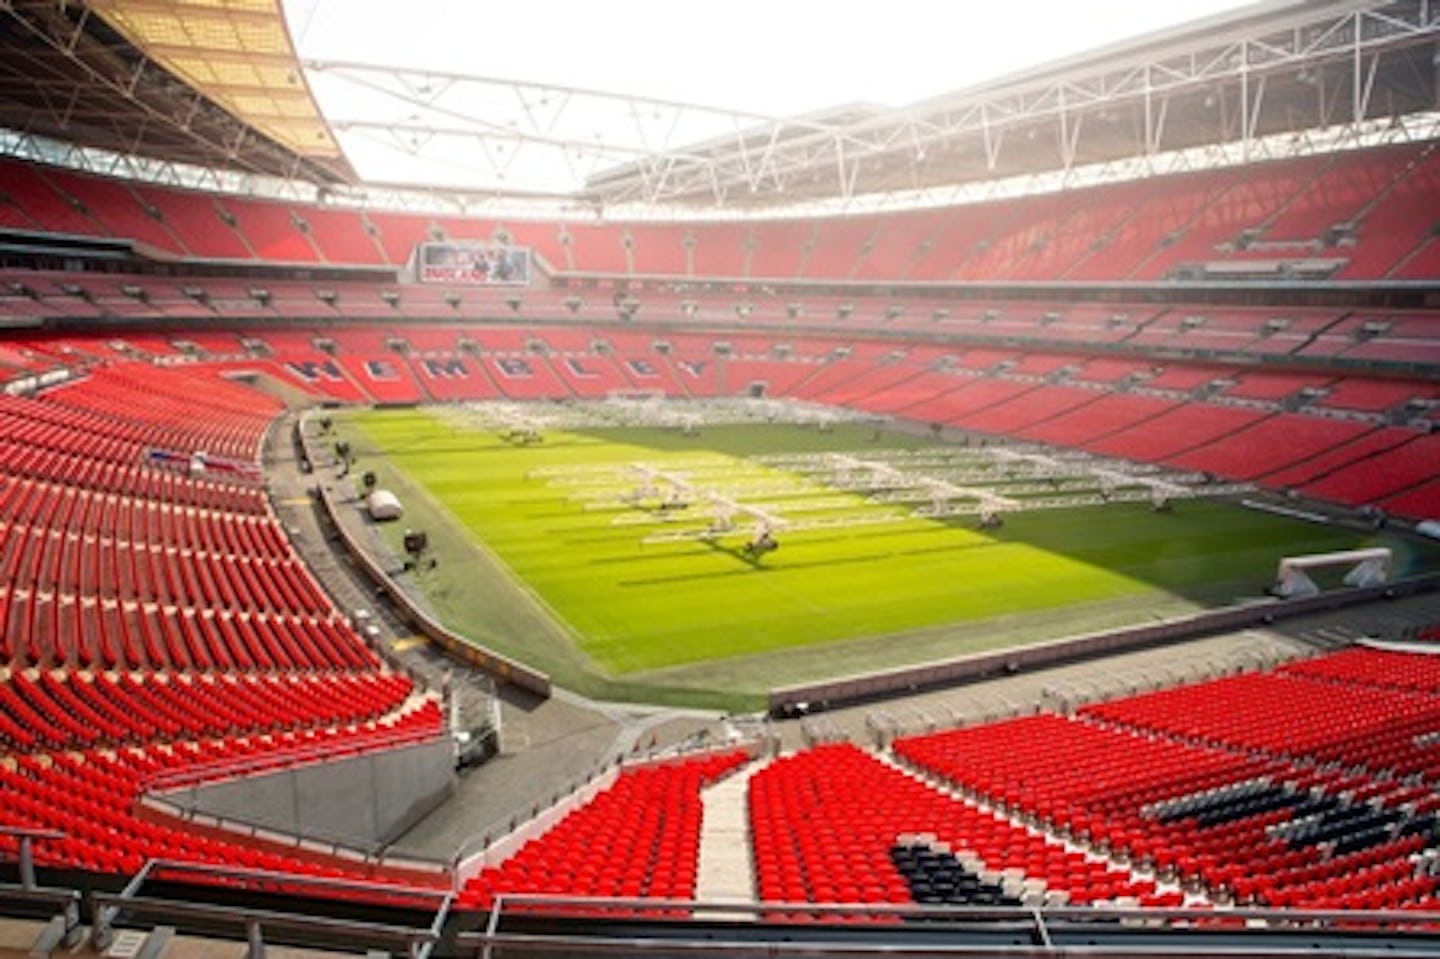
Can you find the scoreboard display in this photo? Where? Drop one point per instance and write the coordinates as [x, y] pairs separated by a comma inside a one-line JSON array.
[[480, 264]]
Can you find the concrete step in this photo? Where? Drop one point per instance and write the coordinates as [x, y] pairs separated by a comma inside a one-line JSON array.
[[726, 870]]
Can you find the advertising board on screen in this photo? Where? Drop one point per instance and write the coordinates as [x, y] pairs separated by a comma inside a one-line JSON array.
[[481, 264]]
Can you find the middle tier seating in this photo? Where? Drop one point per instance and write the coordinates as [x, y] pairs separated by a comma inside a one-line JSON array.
[[1325, 436]]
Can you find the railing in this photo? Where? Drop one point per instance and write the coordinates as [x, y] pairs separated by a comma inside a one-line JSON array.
[[129, 907], [331, 846], [809, 697], [189, 775], [560, 927], [501, 838], [61, 904], [174, 780]]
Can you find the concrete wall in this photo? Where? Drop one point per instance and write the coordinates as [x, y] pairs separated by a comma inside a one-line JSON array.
[[360, 801], [877, 685], [501, 667]]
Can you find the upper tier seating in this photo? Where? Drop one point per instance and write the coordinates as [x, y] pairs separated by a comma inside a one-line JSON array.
[[1400, 221], [1364, 211], [39, 203], [271, 230], [117, 208], [194, 219], [341, 236]]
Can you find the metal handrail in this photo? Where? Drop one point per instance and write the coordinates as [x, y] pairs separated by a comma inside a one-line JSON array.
[[26, 859], [280, 759], [161, 786], [65, 901], [479, 842], [330, 845], [938, 930], [419, 942]]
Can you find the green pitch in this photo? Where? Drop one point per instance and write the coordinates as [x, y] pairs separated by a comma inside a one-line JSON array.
[[536, 558]]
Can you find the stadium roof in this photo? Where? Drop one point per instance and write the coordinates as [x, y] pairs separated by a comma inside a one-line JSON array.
[[213, 83], [235, 52], [216, 85], [435, 99], [1239, 75]]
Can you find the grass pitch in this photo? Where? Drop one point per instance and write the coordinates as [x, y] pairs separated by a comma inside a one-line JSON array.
[[551, 570]]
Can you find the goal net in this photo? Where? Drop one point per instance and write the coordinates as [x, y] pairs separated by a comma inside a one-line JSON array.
[[1366, 567]]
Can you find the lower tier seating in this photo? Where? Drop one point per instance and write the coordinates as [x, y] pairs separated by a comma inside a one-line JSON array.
[[638, 838], [834, 824], [1239, 786]]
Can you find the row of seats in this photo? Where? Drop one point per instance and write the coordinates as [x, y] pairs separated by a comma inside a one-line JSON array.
[[194, 409], [155, 623], [68, 710], [1356, 208], [54, 560], [1241, 427], [37, 504], [65, 632], [826, 822], [1306, 333], [1238, 785], [640, 837], [137, 479]]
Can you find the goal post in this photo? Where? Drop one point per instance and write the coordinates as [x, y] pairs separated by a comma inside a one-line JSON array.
[[1367, 567]]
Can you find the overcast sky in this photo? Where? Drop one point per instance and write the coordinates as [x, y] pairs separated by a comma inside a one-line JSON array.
[[771, 56]]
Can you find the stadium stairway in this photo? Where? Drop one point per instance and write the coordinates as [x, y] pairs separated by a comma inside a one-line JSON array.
[[725, 870], [636, 838]]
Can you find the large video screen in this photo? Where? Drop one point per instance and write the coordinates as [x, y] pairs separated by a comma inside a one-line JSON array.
[[481, 264]]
